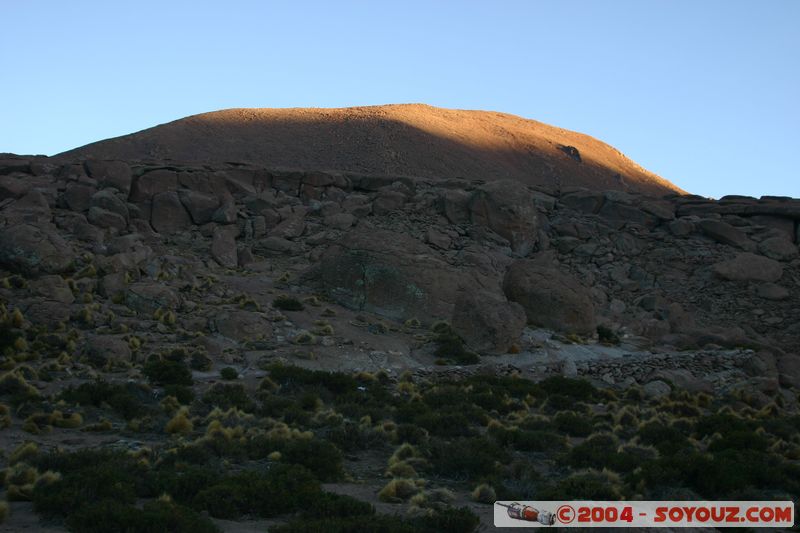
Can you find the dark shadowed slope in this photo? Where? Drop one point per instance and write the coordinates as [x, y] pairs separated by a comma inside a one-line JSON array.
[[414, 140]]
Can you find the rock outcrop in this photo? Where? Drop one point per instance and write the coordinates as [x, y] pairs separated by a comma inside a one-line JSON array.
[[550, 298]]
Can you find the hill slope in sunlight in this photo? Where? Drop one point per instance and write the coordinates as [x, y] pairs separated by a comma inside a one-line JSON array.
[[411, 139]]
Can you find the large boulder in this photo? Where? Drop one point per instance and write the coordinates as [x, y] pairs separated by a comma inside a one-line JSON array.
[[78, 197], [147, 297], [146, 186], [779, 248], [724, 233], [116, 174], [53, 288], [240, 325], [104, 349], [487, 322], [32, 250], [223, 246], [201, 206], [390, 274], [168, 214], [509, 209], [749, 267], [550, 297]]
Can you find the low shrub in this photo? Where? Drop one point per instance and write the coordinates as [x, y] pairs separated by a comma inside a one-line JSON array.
[[398, 490], [88, 476], [606, 335], [451, 347], [590, 485], [287, 303], [154, 517], [129, 400], [575, 389], [293, 378], [450, 520], [282, 489], [229, 373], [573, 424], [530, 440], [167, 372], [225, 396], [465, 458], [601, 451], [484, 493]]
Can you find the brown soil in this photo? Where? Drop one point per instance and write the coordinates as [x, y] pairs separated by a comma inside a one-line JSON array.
[[413, 140]]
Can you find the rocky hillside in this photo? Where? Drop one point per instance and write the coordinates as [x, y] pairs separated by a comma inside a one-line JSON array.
[[163, 326], [411, 140], [678, 271]]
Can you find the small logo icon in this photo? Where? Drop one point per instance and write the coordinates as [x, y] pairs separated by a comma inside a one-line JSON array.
[[517, 511]]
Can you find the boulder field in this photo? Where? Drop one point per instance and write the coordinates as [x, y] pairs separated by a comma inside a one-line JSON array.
[[490, 258]]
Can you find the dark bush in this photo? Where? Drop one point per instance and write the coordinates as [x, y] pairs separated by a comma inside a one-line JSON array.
[[606, 335], [451, 347], [665, 438], [167, 372], [513, 386], [287, 303], [229, 373], [601, 451], [740, 440], [293, 378], [331, 505], [466, 458], [461, 520], [411, 434], [108, 516], [282, 489], [320, 457], [573, 424], [88, 476], [129, 400], [529, 440], [225, 396], [184, 395], [576, 389], [184, 482], [445, 423], [580, 486]]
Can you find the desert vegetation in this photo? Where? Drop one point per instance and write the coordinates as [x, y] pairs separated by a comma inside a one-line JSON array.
[[236, 452]]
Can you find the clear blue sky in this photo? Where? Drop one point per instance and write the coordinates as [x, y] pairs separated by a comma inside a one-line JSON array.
[[705, 93]]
